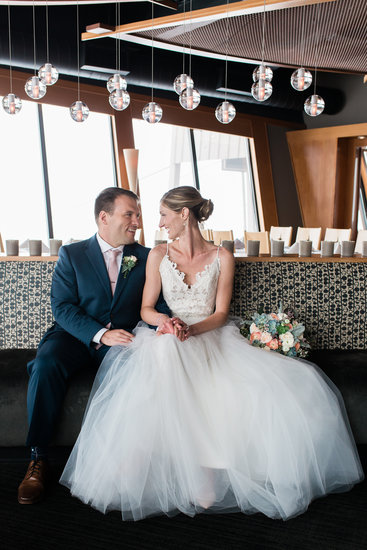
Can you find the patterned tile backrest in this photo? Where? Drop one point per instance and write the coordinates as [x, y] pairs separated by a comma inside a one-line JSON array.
[[25, 311], [329, 297]]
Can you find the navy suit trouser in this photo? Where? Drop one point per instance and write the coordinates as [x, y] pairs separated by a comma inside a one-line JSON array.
[[58, 358]]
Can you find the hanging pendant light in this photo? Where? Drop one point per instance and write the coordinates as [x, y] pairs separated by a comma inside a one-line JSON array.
[[301, 78], [225, 111], [119, 98], [116, 82], [79, 111], [152, 111], [262, 72], [261, 90], [48, 74], [183, 80], [262, 75], [189, 97], [12, 104], [34, 87], [314, 104]]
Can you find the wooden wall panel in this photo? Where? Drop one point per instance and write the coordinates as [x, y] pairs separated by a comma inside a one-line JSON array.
[[322, 165]]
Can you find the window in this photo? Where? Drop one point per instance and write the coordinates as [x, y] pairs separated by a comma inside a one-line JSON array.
[[22, 198], [219, 164], [78, 163]]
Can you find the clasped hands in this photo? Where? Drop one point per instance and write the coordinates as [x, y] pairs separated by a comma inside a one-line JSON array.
[[174, 325]]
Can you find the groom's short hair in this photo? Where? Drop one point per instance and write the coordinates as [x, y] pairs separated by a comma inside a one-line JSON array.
[[106, 199]]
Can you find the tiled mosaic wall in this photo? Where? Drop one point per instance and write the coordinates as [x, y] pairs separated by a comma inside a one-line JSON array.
[[330, 298], [25, 311]]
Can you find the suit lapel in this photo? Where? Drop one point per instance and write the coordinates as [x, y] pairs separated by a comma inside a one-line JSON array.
[[96, 259], [129, 250]]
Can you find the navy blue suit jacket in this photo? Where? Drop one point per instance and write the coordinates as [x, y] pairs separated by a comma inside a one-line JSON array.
[[81, 297]]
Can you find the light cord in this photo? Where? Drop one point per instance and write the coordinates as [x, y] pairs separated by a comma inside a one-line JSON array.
[[190, 38], [34, 39], [317, 45], [263, 37], [183, 39], [47, 48], [10, 59], [152, 49], [77, 46], [302, 54], [226, 64]]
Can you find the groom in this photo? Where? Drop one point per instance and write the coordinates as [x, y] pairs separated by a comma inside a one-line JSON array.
[[96, 298]]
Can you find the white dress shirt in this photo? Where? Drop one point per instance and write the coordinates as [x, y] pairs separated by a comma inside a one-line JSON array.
[[104, 248]]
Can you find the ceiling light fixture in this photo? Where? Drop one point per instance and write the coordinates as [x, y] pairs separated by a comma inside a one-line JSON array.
[[225, 112], [119, 98], [301, 78], [190, 98], [34, 87], [48, 74], [79, 111], [262, 75], [183, 80], [152, 112], [12, 104], [314, 104]]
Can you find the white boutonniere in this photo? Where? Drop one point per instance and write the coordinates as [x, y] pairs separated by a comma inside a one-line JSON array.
[[128, 263]]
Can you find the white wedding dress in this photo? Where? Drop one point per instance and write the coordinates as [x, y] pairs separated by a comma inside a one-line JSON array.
[[210, 424]]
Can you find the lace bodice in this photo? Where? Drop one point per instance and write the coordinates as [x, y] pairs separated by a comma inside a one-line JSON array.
[[191, 303]]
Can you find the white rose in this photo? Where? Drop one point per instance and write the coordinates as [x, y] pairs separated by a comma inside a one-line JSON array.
[[287, 339], [266, 337], [253, 328]]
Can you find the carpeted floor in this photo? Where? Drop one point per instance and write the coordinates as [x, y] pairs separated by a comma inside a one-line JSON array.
[[337, 522]]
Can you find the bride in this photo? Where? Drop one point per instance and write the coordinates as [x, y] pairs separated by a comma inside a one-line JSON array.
[[191, 417]]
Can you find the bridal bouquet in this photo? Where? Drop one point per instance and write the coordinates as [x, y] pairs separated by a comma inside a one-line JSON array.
[[279, 332]]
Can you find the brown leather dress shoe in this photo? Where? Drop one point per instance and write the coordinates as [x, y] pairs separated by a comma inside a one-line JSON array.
[[32, 488]]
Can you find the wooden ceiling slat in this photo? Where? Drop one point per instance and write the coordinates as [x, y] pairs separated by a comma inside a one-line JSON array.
[[341, 45]]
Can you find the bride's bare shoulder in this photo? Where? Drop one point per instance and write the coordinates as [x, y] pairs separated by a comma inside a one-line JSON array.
[[226, 257], [158, 252]]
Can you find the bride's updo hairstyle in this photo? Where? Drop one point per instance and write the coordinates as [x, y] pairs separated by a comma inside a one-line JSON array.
[[188, 197]]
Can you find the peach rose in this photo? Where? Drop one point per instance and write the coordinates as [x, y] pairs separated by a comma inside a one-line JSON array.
[[297, 346], [274, 344], [255, 336]]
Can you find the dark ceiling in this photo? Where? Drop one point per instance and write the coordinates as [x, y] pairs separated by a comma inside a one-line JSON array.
[[338, 21]]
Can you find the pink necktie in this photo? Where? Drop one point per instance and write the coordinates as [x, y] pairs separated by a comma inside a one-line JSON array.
[[113, 270]]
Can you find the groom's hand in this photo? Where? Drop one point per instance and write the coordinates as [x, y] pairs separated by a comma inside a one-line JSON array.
[[116, 336]]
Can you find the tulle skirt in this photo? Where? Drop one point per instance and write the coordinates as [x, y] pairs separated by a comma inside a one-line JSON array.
[[210, 424]]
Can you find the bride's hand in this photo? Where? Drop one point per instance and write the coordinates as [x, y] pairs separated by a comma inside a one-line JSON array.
[[165, 325]]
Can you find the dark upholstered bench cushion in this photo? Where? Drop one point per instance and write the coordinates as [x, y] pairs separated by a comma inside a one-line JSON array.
[[347, 369], [13, 400]]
